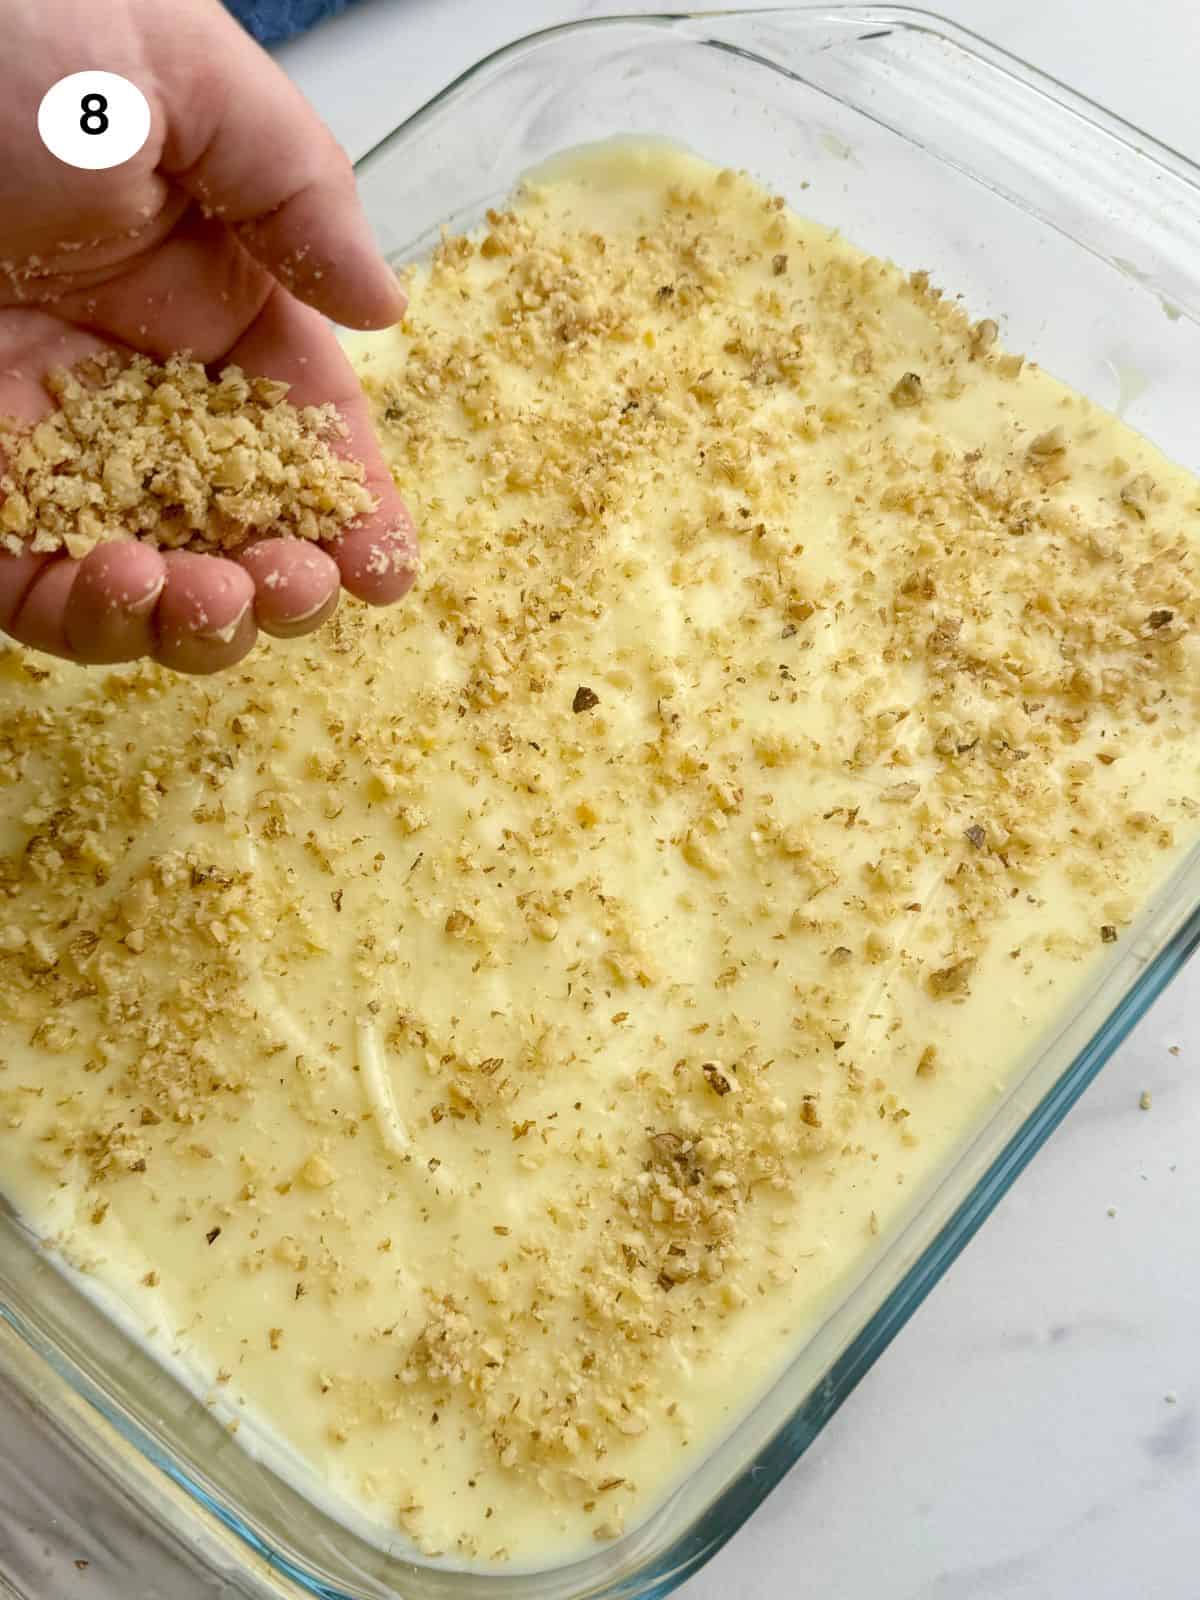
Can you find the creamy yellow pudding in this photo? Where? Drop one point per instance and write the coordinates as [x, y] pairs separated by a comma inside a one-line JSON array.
[[479, 1041]]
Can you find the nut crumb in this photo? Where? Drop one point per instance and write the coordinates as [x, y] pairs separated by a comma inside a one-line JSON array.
[[909, 391], [715, 1078], [317, 1173], [983, 336], [162, 453], [953, 980], [1044, 446]]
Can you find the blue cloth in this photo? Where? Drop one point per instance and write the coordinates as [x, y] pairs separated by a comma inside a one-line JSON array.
[[272, 20]]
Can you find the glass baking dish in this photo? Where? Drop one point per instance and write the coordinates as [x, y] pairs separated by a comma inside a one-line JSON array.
[[921, 142]]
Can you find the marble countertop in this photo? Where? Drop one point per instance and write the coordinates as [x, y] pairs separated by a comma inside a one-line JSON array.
[[1034, 1432]]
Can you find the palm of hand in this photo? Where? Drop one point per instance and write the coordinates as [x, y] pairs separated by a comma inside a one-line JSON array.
[[215, 256]]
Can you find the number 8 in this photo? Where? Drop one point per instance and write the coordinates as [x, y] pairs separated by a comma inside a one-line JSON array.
[[93, 119]]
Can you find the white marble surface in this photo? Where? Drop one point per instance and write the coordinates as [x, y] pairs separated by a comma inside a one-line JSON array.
[[1034, 1432]]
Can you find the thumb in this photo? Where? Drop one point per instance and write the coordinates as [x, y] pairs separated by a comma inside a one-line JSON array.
[[244, 142]]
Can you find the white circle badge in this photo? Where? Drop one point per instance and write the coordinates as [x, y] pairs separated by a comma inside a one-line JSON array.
[[94, 120]]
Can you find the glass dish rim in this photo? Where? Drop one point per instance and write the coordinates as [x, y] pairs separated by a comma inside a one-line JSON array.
[[700, 1539], [914, 19]]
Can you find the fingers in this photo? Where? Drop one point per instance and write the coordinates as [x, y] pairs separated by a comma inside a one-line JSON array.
[[39, 621], [197, 292], [110, 609], [246, 144], [377, 556], [125, 601], [340, 274], [194, 613], [295, 585], [205, 615], [16, 579], [378, 560]]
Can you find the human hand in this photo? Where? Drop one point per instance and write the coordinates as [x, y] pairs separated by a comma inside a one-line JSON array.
[[232, 234]]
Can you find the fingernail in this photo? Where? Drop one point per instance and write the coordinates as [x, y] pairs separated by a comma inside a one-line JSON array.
[[228, 633], [307, 616], [147, 601]]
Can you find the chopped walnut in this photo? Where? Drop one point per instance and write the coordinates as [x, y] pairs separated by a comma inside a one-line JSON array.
[[951, 981], [317, 1173], [715, 1078], [163, 453], [983, 336], [1044, 446], [908, 391], [1137, 494]]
